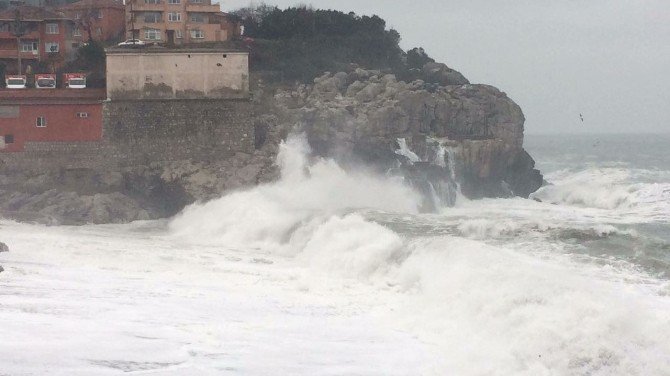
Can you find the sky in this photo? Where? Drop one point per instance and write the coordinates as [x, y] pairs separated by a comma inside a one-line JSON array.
[[608, 60]]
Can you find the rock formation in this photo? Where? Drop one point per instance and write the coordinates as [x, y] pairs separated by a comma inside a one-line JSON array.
[[441, 133], [367, 114]]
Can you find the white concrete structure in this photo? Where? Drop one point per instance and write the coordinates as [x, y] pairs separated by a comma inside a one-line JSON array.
[[177, 74]]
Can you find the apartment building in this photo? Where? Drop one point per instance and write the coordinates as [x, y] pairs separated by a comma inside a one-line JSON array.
[[103, 20], [179, 21], [46, 37]]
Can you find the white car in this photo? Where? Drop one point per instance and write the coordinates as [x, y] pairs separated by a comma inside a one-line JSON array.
[[15, 82], [132, 43]]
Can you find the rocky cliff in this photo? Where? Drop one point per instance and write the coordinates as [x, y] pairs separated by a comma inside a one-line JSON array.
[[441, 133]]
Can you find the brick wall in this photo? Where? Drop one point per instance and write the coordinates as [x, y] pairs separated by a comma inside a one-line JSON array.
[[145, 132]]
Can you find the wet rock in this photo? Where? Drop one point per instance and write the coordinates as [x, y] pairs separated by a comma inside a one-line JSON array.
[[4, 247], [480, 123]]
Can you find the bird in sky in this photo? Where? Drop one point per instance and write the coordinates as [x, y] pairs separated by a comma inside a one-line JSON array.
[[581, 118]]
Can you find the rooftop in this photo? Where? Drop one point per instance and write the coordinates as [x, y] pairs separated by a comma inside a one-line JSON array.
[[31, 13], [93, 4], [51, 96], [165, 50]]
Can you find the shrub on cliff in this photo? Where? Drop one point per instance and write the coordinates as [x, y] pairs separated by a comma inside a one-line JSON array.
[[301, 43]]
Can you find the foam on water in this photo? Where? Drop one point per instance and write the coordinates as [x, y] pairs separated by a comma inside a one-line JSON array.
[[330, 271], [488, 309], [611, 189], [308, 190]]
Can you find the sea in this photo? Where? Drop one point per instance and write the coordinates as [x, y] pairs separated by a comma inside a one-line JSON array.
[[336, 272]]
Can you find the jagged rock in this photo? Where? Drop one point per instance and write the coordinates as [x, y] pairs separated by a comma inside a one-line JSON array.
[[482, 125], [2, 269], [4, 247], [443, 75]]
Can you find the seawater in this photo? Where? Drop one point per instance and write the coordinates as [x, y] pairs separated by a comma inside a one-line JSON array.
[[336, 272]]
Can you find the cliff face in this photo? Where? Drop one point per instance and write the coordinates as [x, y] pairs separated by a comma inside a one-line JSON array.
[[473, 132], [442, 134]]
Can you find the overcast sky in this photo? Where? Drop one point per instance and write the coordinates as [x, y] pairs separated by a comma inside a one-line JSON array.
[[606, 59]]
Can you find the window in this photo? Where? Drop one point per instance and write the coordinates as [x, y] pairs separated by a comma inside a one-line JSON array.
[[29, 47], [77, 16], [51, 47], [195, 1], [98, 31], [174, 1], [152, 17], [152, 1], [152, 34], [76, 32], [9, 139], [197, 18], [197, 34], [41, 122], [174, 16], [82, 115], [177, 34], [52, 28]]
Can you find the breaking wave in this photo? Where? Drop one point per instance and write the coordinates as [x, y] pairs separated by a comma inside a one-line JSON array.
[[487, 308], [310, 192], [609, 189]]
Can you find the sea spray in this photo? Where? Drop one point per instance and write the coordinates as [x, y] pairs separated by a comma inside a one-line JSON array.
[[309, 189]]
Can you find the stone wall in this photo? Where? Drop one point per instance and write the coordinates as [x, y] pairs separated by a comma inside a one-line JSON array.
[[145, 132]]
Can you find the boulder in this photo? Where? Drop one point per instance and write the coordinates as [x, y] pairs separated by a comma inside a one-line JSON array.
[[443, 75], [4, 247]]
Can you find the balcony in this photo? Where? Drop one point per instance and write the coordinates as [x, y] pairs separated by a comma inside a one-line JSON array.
[[142, 7], [13, 54], [203, 8], [30, 35], [150, 20]]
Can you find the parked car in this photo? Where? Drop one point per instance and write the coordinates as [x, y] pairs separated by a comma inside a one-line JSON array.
[[45, 81], [74, 80], [15, 82], [133, 43]]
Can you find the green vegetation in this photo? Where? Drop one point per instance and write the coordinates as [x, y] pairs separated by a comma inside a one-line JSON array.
[[299, 43], [90, 59]]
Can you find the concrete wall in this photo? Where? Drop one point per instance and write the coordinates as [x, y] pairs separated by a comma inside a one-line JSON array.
[[176, 74], [142, 133]]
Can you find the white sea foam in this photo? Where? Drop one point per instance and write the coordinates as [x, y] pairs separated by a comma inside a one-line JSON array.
[[308, 190], [293, 278], [609, 189]]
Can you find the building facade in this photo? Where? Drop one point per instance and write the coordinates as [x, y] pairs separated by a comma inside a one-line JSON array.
[[49, 115], [101, 20], [163, 73], [46, 38], [178, 21]]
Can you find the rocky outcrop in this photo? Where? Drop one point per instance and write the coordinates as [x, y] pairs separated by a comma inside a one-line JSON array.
[[155, 190], [363, 115], [4, 247], [441, 133]]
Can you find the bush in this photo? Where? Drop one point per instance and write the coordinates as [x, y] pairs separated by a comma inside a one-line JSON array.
[[301, 43]]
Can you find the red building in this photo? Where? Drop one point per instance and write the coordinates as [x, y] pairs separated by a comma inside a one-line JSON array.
[[46, 38], [48, 115], [104, 20]]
